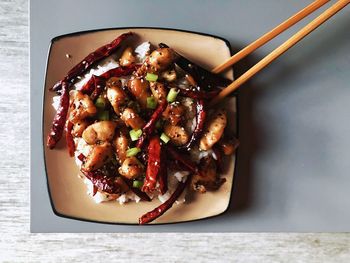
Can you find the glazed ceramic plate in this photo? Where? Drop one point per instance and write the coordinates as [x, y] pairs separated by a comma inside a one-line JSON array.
[[68, 192]]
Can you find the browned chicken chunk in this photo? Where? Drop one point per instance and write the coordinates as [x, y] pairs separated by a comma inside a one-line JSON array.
[[116, 96], [207, 178], [228, 146], [79, 127], [214, 130], [159, 91], [132, 119], [101, 131], [82, 107], [177, 134], [160, 59], [131, 168], [98, 156], [140, 89], [127, 58], [121, 142], [169, 75], [174, 113]]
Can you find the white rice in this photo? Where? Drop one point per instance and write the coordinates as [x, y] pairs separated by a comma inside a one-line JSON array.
[[103, 67], [129, 196], [181, 176], [173, 180], [56, 102], [142, 51]]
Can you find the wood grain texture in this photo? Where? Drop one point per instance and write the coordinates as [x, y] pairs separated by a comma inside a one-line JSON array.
[[18, 245]]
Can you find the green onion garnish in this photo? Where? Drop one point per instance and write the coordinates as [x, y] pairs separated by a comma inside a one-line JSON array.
[[100, 103], [151, 77], [151, 103], [164, 138], [172, 95], [103, 115], [135, 134], [132, 151], [137, 184]]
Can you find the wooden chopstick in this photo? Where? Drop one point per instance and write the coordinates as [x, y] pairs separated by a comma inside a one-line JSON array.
[[281, 49], [270, 35]]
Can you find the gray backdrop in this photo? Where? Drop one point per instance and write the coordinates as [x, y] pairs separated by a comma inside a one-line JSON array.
[[293, 165]]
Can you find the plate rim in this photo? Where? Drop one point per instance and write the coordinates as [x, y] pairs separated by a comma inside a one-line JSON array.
[[77, 33]]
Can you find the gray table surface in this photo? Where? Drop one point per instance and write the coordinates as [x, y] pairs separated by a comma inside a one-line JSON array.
[[293, 162], [18, 245]]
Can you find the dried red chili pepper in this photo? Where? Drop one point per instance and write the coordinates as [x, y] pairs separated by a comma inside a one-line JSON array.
[[81, 157], [196, 94], [60, 118], [99, 84], [136, 191], [105, 183], [95, 85], [200, 120], [182, 158], [69, 138], [163, 173], [94, 190], [204, 78], [149, 128], [153, 165], [160, 210], [90, 87], [120, 71], [91, 59], [176, 165], [111, 169]]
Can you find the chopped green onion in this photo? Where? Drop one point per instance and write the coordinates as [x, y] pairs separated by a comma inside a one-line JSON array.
[[164, 138], [100, 103], [135, 134], [151, 77], [151, 103], [132, 151], [103, 115], [137, 184], [172, 95]]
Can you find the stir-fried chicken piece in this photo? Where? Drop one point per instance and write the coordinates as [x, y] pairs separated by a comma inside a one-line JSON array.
[[177, 134], [132, 119], [131, 168], [79, 127], [158, 91], [174, 113], [159, 60], [98, 156], [116, 96], [101, 131], [207, 178], [169, 75], [214, 130], [127, 58], [228, 146], [82, 107], [121, 144], [140, 89]]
